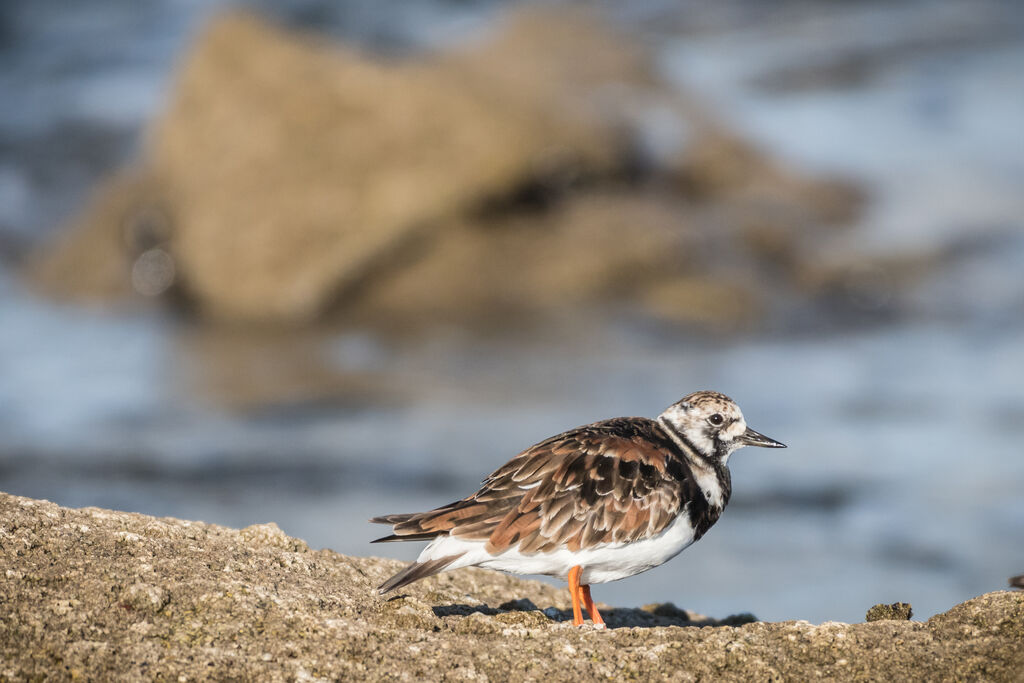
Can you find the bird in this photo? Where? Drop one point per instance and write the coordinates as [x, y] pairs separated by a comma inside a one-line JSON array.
[[594, 504]]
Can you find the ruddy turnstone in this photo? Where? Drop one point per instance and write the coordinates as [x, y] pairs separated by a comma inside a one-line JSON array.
[[591, 505]]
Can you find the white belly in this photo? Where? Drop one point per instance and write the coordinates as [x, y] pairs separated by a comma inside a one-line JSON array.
[[600, 564]]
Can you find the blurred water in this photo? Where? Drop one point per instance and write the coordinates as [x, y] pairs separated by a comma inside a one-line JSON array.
[[904, 472]]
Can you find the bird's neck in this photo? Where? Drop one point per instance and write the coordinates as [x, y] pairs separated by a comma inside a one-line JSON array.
[[688, 449], [710, 473]]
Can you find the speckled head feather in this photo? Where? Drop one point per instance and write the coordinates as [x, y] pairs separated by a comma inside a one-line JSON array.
[[706, 422]]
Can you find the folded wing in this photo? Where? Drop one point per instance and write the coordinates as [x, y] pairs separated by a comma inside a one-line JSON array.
[[595, 485]]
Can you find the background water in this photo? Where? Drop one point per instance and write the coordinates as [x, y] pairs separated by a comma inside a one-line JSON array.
[[904, 472]]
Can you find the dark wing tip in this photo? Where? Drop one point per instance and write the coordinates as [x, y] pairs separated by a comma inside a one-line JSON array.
[[409, 535], [387, 539], [414, 536]]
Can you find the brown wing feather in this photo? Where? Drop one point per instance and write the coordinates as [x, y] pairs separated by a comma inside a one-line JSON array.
[[588, 486]]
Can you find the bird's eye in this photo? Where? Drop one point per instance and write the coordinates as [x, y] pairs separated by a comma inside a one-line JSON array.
[[716, 419]]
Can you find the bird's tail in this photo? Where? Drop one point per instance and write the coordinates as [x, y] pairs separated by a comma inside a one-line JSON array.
[[417, 526], [417, 571]]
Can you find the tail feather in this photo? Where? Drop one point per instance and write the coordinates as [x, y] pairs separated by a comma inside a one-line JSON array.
[[404, 530], [416, 571], [394, 519]]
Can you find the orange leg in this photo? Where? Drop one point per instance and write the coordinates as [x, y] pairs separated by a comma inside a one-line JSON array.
[[576, 594], [595, 616]]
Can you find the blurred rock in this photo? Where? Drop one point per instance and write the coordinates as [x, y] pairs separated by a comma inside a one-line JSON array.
[[540, 168], [718, 165], [96, 594], [94, 260], [596, 247]]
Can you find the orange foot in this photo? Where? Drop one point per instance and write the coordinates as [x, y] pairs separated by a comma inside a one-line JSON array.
[[582, 594], [595, 616]]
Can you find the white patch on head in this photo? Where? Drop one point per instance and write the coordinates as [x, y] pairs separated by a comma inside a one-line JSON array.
[[690, 417]]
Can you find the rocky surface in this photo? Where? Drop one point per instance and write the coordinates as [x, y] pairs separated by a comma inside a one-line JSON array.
[[93, 594], [896, 610], [541, 168]]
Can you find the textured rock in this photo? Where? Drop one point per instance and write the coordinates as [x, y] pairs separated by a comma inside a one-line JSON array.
[[899, 611], [94, 594]]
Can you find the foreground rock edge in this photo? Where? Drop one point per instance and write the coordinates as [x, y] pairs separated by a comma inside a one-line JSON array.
[[92, 593]]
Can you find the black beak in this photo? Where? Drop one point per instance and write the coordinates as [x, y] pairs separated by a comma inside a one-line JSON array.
[[752, 438]]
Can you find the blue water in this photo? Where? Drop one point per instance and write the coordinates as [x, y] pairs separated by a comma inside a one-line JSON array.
[[904, 474]]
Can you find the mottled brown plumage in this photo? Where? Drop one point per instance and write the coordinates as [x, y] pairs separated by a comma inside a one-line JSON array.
[[615, 481]]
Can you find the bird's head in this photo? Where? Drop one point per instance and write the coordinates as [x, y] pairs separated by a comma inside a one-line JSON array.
[[711, 424]]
